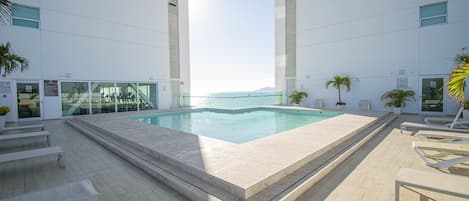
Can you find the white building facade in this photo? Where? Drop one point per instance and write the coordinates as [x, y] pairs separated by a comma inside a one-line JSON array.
[[90, 57], [380, 44]]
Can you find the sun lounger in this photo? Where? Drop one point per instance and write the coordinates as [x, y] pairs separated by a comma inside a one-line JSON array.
[[21, 128], [443, 136], [405, 125], [443, 150], [453, 184], [76, 191], [26, 135], [364, 105], [449, 122], [35, 153]]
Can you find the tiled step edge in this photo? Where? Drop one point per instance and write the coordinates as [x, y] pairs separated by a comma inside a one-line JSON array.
[[175, 180], [314, 177]]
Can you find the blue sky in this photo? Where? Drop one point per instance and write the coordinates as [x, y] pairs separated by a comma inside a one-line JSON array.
[[231, 45]]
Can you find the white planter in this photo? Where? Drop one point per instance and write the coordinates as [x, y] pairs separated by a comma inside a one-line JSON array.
[[397, 110], [3, 118], [465, 114]]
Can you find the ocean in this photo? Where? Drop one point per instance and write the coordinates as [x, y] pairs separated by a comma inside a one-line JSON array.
[[235, 99]]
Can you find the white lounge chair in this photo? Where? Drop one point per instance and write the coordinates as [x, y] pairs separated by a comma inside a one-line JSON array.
[[443, 136], [364, 105], [449, 122], [75, 191], [406, 125], [26, 135], [453, 184], [35, 153], [443, 150], [21, 128]]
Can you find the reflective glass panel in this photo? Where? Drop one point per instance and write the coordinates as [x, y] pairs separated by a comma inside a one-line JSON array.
[[126, 97], [25, 12], [28, 100], [433, 10], [102, 98], [75, 98], [432, 21], [25, 23], [432, 94], [147, 96]]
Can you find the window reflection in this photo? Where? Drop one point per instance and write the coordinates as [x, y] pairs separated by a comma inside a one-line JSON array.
[[75, 98], [126, 97], [102, 98], [147, 96]]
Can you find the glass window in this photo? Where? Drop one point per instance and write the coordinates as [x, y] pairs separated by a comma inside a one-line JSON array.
[[103, 97], [433, 14], [75, 98], [126, 97], [25, 16], [147, 96]]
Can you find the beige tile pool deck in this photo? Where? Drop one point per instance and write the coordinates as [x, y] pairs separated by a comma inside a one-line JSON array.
[[366, 176], [245, 168]]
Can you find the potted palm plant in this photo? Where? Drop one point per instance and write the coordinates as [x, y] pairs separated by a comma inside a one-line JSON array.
[[3, 114], [339, 82], [397, 99], [297, 96]]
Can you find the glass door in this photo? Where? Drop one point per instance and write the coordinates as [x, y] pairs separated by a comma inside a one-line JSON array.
[[29, 105], [432, 94]]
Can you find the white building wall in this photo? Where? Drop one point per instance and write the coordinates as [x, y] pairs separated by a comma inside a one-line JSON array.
[[105, 40], [184, 58], [375, 42]]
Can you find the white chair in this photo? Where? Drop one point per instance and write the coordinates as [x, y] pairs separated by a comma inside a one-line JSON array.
[[77, 191], [437, 182], [19, 136], [442, 151], [22, 128], [443, 136], [35, 153], [319, 104], [406, 125], [364, 105]]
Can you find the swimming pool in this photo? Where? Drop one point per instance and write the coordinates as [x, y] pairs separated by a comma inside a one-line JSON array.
[[235, 126]]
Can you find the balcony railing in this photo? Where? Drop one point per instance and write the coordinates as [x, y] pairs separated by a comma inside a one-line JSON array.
[[230, 101]]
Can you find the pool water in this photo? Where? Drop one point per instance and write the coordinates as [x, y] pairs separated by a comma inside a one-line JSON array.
[[235, 127]]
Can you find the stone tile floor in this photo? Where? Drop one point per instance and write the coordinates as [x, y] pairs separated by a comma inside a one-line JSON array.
[[367, 175], [113, 177]]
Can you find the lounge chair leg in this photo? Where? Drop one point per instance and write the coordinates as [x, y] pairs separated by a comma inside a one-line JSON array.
[[397, 189], [61, 161], [48, 141]]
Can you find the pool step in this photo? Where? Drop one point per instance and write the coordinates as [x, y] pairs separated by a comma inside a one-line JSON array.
[[181, 182], [195, 187]]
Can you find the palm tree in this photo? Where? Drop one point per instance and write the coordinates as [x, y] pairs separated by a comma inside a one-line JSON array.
[[9, 62], [5, 11], [339, 82], [397, 98], [457, 82], [297, 96]]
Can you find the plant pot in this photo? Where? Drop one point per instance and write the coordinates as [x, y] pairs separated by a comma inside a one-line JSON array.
[[397, 110], [340, 105], [3, 118]]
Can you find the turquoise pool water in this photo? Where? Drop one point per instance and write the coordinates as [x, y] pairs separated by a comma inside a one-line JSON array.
[[235, 127]]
